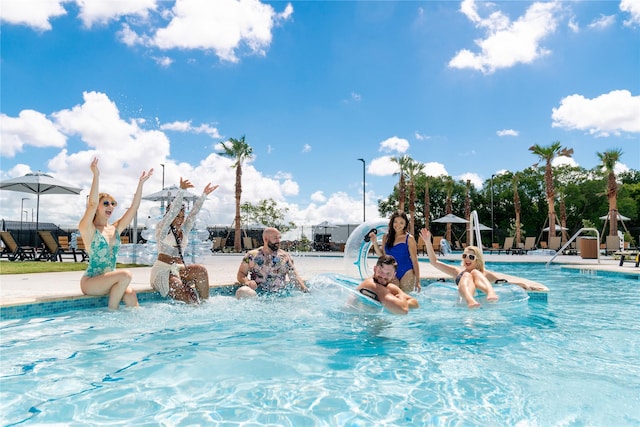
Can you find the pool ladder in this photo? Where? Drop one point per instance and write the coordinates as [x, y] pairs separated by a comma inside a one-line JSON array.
[[561, 250]]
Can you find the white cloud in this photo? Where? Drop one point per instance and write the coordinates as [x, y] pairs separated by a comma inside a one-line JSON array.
[[125, 149], [103, 11], [507, 132], [382, 166], [573, 25], [29, 128], [163, 61], [435, 169], [306, 148], [186, 127], [32, 13], [611, 113], [475, 179], [319, 197], [394, 143], [563, 161], [603, 22], [507, 43], [421, 137], [633, 8], [223, 26]]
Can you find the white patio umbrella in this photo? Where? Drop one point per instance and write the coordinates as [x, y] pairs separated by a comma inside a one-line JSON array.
[[451, 219], [483, 227], [38, 183], [558, 227], [168, 193], [619, 217]]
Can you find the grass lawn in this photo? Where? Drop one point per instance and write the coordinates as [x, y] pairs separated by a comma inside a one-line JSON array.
[[23, 267]]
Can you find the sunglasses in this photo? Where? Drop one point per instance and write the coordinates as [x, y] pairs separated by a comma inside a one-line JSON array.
[[472, 257], [107, 203]]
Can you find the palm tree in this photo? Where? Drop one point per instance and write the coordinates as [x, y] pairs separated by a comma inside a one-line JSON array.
[[239, 150], [548, 154], [427, 201], [609, 159], [412, 169], [448, 185], [467, 210], [563, 217], [402, 164], [516, 205]]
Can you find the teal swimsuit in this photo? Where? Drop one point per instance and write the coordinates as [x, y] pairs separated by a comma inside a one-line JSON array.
[[103, 257]]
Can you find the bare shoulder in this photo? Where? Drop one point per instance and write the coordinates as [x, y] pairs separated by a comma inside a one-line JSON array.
[[367, 283]]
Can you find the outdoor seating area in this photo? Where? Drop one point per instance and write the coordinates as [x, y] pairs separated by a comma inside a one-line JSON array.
[[13, 251]]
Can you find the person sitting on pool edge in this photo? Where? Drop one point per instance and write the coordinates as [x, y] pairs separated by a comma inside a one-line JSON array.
[[380, 287], [268, 269], [472, 275], [170, 274], [103, 243]]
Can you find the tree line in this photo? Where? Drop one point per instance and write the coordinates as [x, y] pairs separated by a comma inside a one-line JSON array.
[[539, 196]]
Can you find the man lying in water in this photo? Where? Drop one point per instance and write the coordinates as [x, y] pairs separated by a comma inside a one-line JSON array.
[[380, 287]]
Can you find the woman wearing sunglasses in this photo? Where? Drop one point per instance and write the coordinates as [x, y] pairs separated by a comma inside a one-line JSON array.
[[170, 275], [101, 277], [472, 275]]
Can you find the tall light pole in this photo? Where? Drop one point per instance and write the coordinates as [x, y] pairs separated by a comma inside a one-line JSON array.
[[162, 204], [364, 189], [492, 226], [21, 211]]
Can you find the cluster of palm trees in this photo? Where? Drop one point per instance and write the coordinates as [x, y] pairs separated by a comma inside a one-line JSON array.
[[556, 186], [573, 186]]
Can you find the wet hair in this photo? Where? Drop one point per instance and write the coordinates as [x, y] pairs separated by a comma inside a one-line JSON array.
[[479, 258], [391, 232], [387, 260]]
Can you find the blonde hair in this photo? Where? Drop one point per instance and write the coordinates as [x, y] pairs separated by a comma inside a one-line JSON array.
[[479, 258]]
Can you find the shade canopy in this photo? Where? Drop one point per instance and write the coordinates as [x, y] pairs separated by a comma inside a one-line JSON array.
[[326, 224], [483, 227], [619, 217], [169, 193], [558, 227], [38, 183], [451, 219]]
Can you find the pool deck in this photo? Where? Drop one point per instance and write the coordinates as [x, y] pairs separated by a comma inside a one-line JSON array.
[[19, 289]]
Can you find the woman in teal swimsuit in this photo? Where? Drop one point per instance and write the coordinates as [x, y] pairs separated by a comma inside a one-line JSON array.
[[101, 277]]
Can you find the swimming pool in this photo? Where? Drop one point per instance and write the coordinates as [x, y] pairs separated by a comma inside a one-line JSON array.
[[306, 360]]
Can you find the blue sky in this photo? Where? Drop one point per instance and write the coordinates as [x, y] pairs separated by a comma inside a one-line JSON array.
[[463, 87]]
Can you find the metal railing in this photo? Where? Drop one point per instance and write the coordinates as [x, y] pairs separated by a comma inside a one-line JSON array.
[[561, 250]]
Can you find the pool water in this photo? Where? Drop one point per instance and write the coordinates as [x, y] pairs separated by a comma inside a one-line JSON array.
[[312, 360]]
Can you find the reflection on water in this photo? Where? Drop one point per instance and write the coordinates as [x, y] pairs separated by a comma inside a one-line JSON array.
[[310, 359]]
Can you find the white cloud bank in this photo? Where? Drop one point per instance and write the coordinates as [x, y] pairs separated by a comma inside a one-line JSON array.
[[608, 114]]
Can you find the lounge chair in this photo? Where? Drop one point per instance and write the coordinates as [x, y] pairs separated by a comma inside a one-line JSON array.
[[81, 249], [507, 247], [529, 244], [124, 239], [52, 251], [437, 246], [247, 242], [555, 243], [13, 251], [612, 245], [422, 246], [217, 244]]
